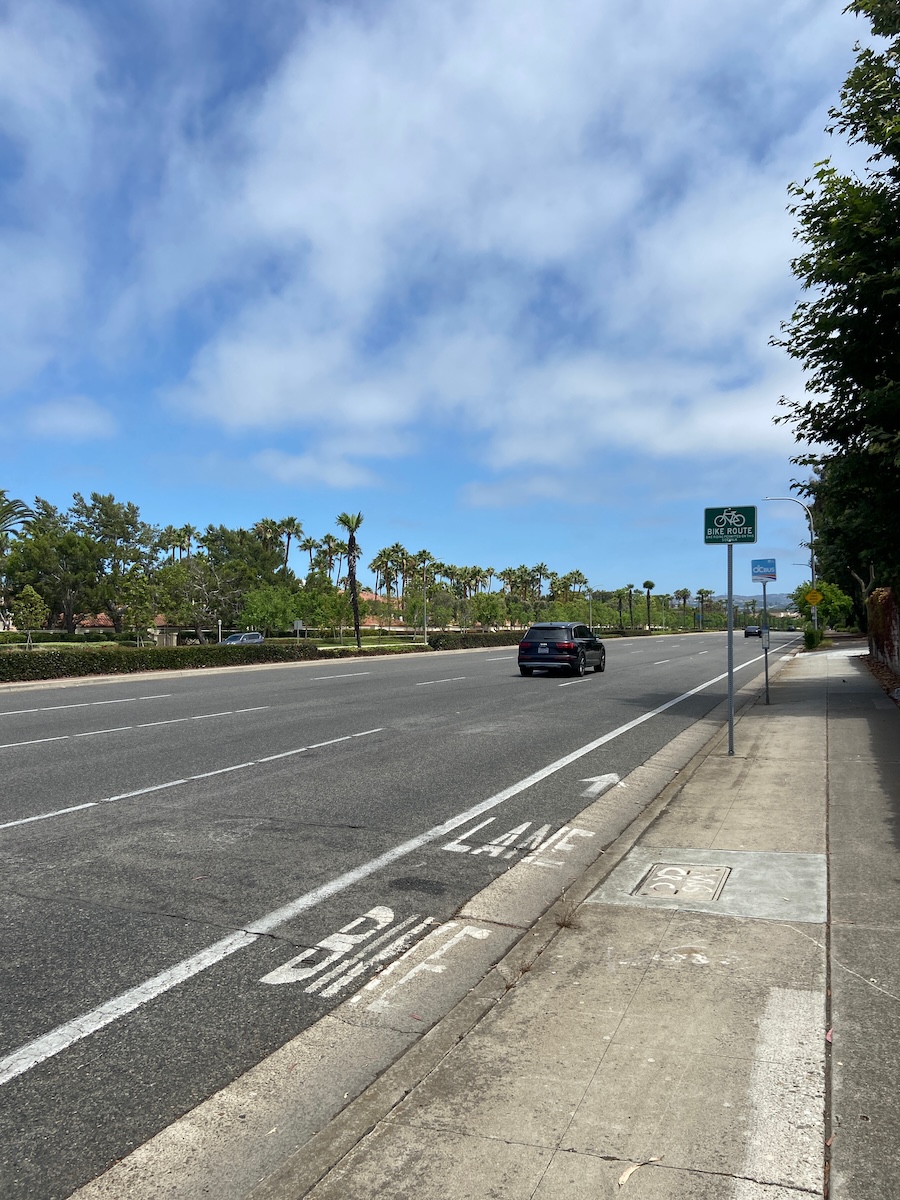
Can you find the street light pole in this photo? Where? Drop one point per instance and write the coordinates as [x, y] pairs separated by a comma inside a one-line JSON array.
[[812, 550]]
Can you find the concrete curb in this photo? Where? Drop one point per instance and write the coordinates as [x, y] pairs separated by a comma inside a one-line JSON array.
[[311, 1163]]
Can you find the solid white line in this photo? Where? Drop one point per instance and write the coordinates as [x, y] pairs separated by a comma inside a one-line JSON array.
[[63, 1036], [349, 675], [431, 682]]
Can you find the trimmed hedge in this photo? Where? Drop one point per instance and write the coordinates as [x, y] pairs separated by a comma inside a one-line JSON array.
[[124, 660], [14, 638], [472, 641]]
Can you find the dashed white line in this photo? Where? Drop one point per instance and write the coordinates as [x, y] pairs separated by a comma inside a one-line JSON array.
[[348, 675], [661, 661], [430, 682], [161, 787], [506, 658], [14, 712], [64, 737], [568, 683]]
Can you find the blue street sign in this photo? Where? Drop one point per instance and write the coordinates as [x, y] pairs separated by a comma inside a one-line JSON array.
[[762, 570]]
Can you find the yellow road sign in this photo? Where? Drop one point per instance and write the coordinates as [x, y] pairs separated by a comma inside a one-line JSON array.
[[813, 597]]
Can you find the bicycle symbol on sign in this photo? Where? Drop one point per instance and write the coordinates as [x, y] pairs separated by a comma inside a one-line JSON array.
[[729, 517]]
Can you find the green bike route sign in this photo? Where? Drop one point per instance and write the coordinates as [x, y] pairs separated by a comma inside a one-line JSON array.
[[729, 525]]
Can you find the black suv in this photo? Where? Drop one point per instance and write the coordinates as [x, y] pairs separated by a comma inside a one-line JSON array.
[[561, 646]]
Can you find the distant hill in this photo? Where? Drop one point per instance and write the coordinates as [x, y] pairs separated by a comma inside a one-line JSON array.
[[773, 599]]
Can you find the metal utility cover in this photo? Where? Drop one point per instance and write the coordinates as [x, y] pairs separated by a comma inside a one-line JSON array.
[[763, 884], [683, 882]]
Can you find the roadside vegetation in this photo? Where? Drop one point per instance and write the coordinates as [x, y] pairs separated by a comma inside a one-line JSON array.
[[60, 569], [846, 332]]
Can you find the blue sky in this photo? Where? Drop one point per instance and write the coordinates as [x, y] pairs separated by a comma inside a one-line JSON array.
[[500, 275]]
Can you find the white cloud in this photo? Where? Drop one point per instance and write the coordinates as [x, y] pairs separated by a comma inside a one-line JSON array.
[[306, 470], [75, 418], [432, 174], [49, 101], [468, 216]]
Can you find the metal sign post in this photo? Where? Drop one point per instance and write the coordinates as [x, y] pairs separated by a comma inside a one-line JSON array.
[[763, 571], [727, 526]]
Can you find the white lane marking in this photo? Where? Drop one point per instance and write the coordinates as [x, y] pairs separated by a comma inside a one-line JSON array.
[[661, 661], [46, 816], [95, 732], [349, 675], [506, 658], [429, 682], [581, 679], [703, 652], [59, 1039], [63, 1036], [160, 787], [599, 785], [64, 737], [14, 712]]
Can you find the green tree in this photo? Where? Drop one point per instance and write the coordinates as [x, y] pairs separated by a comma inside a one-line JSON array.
[[350, 523], [63, 566], [648, 585], [124, 543], [29, 612], [704, 595], [488, 608], [270, 609], [289, 527], [834, 609], [683, 595], [847, 335]]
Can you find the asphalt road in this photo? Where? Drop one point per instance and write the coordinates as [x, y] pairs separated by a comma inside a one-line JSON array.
[[174, 850]]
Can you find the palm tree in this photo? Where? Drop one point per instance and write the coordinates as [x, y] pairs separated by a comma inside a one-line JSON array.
[[630, 587], [169, 539], [683, 594], [703, 595], [13, 513], [540, 571], [648, 585], [289, 527], [309, 546], [267, 531], [351, 524], [187, 535], [328, 546]]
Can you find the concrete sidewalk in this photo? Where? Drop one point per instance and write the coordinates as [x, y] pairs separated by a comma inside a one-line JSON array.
[[674, 1040]]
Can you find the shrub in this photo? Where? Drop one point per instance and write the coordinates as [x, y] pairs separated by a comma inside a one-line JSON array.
[[811, 637], [471, 641], [115, 660]]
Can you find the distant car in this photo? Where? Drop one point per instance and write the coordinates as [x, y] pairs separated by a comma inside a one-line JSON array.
[[753, 631], [244, 639], [561, 646]]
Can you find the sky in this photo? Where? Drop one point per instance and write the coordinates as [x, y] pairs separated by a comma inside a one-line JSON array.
[[500, 275]]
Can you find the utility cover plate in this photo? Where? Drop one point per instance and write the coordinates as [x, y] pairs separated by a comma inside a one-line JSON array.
[[684, 882], [769, 885]]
